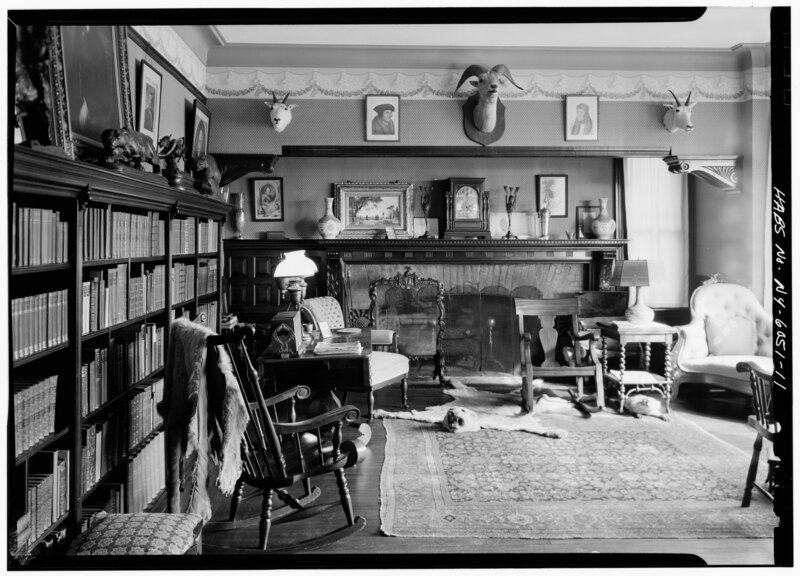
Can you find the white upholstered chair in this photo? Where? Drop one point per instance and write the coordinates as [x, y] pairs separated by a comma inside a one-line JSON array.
[[728, 326], [386, 366]]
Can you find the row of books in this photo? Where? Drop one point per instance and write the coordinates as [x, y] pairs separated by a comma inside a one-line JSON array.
[[147, 292], [207, 236], [95, 380], [143, 415], [114, 234], [102, 448], [182, 235], [146, 475], [138, 353], [137, 235], [34, 410], [207, 276], [210, 310], [182, 282], [47, 495], [38, 237], [38, 322], [105, 298]]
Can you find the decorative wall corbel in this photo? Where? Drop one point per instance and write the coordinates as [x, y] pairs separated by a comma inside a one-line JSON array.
[[720, 171], [234, 166]]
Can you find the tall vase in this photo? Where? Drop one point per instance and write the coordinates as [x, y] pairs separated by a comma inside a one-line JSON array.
[[604, 226], [239, 221], [329, 224]]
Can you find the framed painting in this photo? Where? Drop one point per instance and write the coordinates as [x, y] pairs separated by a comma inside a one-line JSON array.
[[584, 216], [149, 101], [267, 199], [581, 117], [551, 193], [201, 128], [366, 209], [95, 65], [382, 118]]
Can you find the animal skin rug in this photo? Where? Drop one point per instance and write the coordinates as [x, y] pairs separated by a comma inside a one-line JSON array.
[[492, 410]]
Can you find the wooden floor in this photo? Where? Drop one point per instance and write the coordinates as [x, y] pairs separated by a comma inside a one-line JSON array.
[[723, 416]]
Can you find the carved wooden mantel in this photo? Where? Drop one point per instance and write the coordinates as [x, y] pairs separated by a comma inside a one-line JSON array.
[[720, 171]]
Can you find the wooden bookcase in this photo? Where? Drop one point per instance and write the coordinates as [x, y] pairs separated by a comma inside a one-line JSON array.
[[83, 432]]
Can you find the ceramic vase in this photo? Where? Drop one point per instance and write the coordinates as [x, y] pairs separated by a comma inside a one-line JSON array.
[[329, 224], [604, 226], [544, 223]]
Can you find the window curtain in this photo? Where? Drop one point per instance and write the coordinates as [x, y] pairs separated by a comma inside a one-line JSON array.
[[656, 214], [768, 234]]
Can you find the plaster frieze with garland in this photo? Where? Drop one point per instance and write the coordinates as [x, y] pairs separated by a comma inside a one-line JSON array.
[[166, 41], [323, 84]]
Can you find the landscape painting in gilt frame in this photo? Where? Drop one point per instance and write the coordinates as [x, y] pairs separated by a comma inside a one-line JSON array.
[[367, 209]]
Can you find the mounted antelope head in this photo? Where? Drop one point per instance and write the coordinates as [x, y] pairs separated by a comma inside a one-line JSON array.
[[484, 114], [280, 113], [679, 116]]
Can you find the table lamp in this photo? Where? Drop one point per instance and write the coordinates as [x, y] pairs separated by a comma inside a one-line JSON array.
[[290, 275], [634, 273]]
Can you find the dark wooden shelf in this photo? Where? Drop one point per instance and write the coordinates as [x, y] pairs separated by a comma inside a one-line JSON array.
[[39, 355], [115, 261], [40, 445], [23, 270], [383, 151]]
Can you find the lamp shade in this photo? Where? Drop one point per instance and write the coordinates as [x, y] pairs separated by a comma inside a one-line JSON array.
[[630, 273], [295, 265]]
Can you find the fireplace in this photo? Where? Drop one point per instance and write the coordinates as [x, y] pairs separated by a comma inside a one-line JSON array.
[[480, 287]]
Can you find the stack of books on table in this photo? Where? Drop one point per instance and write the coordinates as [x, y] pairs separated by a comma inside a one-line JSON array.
[[325, 348]]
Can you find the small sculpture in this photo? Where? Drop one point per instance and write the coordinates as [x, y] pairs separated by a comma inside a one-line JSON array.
[[172, 150], [511, 201], [425, 200], [128, 147], [206, 174]]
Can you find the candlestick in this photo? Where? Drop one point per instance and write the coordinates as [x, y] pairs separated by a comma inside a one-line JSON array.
[[425, 200], [511, 201]]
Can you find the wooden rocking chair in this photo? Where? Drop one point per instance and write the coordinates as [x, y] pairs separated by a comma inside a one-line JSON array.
[[279, 454]]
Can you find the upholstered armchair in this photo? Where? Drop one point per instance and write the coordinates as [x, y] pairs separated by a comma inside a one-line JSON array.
[[386, 366], [728, 326]]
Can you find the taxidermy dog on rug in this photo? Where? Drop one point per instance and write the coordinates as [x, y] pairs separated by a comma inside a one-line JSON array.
[[474, 409], [640, 405]]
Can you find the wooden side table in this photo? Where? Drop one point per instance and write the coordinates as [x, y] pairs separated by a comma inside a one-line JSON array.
[[630, 381]]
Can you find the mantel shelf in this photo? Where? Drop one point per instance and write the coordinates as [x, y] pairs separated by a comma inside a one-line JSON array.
[[720, 171], [381, 151]]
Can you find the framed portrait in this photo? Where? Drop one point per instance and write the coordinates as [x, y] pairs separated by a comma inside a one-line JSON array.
[[382, 118], [367, 209], [551, 193], [584, 216], [201, 128], [149, 101], [267, 199], [95, 65], [581, 117]]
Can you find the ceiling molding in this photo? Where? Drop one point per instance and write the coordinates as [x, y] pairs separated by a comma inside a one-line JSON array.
[[441, 84]]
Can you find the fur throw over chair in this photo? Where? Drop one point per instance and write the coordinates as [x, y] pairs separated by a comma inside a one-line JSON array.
[[204, 412]]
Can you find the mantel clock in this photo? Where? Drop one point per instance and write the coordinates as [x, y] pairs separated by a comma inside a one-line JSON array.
[[467, 209]]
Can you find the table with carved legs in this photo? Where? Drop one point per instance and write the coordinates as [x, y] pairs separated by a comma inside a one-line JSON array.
[[629, 381]]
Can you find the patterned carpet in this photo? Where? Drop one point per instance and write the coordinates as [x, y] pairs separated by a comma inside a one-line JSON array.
[[612, 477]]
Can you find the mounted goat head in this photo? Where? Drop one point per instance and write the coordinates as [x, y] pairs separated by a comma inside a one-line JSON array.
[[280, 113], [487, 112], [679, 116]]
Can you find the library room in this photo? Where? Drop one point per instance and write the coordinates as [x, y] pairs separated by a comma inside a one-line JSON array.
[[398, 287]]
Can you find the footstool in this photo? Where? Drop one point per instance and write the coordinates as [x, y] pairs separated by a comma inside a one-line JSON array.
[[141, 533]]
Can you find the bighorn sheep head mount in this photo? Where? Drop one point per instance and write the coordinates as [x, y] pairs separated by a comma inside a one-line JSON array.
[[280, 113], [484, 114], [679, 116]]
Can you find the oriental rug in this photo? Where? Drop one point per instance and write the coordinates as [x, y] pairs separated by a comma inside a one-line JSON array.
[[611, 476]]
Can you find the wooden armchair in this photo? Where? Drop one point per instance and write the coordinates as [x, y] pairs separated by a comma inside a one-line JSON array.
[[557, 335], [279, 452], [765, 426]]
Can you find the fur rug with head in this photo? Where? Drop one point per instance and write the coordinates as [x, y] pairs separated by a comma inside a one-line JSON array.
[[473, 409]]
